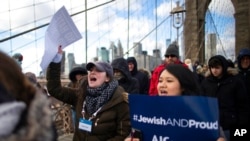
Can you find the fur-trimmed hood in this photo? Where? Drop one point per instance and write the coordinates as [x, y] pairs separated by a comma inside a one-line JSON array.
[[230, 71], [226, 70]]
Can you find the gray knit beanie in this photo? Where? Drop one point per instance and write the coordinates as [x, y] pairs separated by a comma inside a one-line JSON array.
[[172, 49]]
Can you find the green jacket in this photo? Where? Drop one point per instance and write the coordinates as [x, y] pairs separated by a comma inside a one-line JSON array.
[[112, 122]]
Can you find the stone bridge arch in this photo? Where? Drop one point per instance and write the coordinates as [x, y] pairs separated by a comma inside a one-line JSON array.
[[194, 27]]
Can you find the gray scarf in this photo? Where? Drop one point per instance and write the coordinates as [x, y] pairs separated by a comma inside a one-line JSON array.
[[97, 97]]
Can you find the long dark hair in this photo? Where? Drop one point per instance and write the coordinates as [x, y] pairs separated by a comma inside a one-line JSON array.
[[186, 78]]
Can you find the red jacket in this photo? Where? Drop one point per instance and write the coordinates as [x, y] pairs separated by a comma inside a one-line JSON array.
[[155, 78]]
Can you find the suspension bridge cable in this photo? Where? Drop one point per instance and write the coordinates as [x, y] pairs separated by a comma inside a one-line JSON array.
[[41, 26], [217, 33], [148, 34]]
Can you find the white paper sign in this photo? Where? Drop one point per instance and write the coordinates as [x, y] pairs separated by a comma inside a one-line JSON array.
[[61, 31]]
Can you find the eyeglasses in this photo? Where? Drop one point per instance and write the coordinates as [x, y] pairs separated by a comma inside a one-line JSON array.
[[171, 55]]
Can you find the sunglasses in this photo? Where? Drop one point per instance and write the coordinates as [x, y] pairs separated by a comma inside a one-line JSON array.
[[171, 55]]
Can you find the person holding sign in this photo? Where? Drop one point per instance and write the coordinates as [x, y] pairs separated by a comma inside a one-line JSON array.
[[102, 110], [176, 80]]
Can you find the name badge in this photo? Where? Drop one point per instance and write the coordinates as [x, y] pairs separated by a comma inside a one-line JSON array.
[[85, 125]]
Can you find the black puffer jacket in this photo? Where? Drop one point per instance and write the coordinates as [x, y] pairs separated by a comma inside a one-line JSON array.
[[130, 84], [231, 94]]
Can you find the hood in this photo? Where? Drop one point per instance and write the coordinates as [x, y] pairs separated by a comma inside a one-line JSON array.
[[75, 71], [243, 52], [222, 60], [230, 71], [121, 65], [133, 60], [224, 63]]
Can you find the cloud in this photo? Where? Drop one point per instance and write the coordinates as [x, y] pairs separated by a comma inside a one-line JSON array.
[[222, 7], [108, 24], [227, 41], [122, 5], [230, 31], [222, 23], [164, 9], [21, 18]]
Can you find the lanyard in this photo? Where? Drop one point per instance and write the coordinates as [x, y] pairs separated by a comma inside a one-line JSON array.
[[93, 115]]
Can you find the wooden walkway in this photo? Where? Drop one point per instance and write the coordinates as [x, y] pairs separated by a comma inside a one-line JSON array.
[[67, 137]]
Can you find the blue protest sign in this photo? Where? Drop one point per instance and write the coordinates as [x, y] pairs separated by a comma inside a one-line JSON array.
[[175, 118]]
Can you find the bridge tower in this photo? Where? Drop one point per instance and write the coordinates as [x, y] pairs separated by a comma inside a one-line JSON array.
[[194, 27]]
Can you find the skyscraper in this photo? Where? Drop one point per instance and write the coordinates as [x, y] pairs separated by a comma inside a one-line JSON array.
[[103, 54], [137, 48]]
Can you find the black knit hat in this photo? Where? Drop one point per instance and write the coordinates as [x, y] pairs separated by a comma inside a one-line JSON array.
[[172, 49]]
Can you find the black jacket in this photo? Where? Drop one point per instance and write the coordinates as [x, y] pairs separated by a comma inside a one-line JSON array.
[[130, 84], [232, 97], [244, 74], [140, 76]]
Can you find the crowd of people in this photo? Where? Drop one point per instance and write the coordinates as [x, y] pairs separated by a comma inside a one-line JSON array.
[[98, 94]]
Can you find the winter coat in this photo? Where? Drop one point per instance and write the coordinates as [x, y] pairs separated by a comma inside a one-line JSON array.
[[37, 127], [140, 76], [231, 94], [155, 77], [112, 122], [244, 74], [130, 84]]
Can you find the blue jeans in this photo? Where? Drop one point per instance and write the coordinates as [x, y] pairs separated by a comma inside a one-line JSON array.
[[73, 117]]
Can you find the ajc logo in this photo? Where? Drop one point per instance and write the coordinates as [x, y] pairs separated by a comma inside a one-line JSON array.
[[160, 138]]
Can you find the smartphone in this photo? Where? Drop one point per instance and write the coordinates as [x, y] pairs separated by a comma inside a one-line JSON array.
[[136, 133]]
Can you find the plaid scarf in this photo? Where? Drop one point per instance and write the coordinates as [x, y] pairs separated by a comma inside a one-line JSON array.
[[97, 97]]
